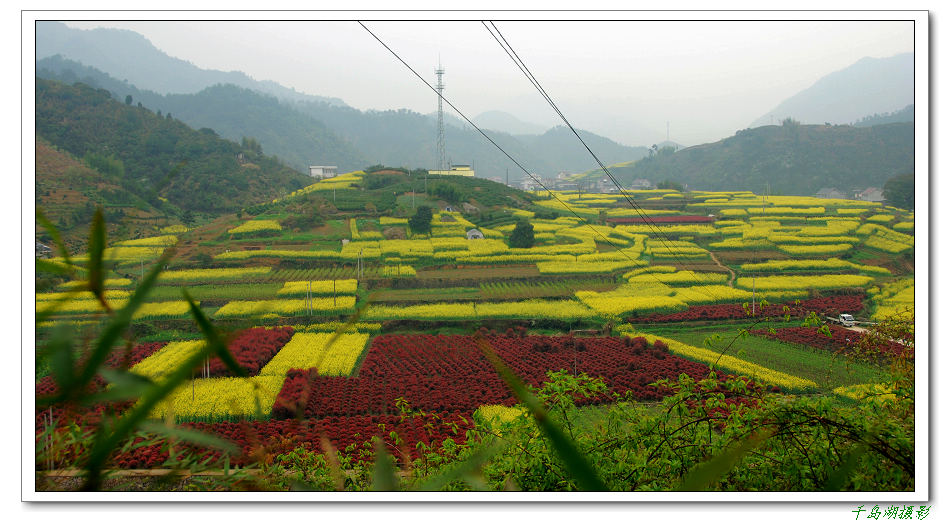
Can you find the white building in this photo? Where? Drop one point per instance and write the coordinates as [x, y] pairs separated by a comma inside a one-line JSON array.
[[871, 194], [322, 171]]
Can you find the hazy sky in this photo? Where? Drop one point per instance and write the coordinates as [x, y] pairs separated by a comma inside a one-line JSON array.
[[622, 79]]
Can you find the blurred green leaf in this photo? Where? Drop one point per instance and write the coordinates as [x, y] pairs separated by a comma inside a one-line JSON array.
[[839, 477], [50, 310], [384, 475], [462, 470], [191, 436], [124, 386], [706, 474], [108, 440], [575, 463], [119, 323], [97, 245], [214, 340], [54, 233], [59, 353], [43, 265]]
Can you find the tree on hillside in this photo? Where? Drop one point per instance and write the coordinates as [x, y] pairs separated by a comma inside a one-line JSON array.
[[448, 192], [522, 236], [421, 222], [669, 185], [899, 191]]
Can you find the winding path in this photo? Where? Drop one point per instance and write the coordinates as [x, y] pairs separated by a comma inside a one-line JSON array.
[[732, 275]]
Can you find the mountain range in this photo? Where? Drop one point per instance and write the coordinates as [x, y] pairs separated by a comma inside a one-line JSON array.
[[869, 86], [303, 130]]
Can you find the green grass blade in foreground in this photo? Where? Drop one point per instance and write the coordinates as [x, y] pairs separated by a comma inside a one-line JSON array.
[[217, 345], [705, 474], [384, 474], [118, 324], [191, 436], [108, 438], [54, 233], [97, 245], [464, 468], [43, 265], [839, 477], [50, 310], [59, 352], [123, 385], [575, 463]]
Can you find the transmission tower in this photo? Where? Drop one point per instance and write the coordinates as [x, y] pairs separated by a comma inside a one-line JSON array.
[[439, 86]]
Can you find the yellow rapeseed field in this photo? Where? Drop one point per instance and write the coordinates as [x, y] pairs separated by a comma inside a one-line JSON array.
[[255, 225], [313, 350], [221, 398], [168, 359], [288, 307]]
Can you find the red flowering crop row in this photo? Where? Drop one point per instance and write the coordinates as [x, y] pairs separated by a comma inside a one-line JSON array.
[[820, 305], [841, 339], [439, 372], [261, 439], [253, 348]]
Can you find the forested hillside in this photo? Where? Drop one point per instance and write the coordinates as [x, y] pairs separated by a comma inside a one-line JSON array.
[[233, 112], [790, 159], [157, 157]]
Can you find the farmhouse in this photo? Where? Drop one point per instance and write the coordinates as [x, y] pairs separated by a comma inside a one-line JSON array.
[[322, 171], [43, 251], [873, 194], [830, 193]]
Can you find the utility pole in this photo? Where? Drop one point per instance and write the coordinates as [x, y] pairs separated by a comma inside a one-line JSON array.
[[753, 294], [441, 144]]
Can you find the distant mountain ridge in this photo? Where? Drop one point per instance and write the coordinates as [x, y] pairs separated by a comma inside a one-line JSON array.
[[305, 132], [792, 159], [233, 112], [506, 122], [129, 56], [869, 86]]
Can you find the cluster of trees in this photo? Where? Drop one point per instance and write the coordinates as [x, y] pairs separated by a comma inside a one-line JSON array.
[[421, 221], [899, 191]]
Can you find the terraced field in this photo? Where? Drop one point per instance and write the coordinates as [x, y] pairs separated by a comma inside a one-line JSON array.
[[336, 330]]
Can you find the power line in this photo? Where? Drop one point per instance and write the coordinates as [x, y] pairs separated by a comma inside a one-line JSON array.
[[510, 51], [527, 72], [536, 180]]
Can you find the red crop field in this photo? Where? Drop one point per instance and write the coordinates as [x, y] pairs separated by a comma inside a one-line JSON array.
[[820, 305], [253, 348], [260, 440], [446, 373]]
